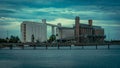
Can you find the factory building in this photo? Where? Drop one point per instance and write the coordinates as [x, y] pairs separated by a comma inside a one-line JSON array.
[[87, 33], [33, 31], [81, 32], [64, 33]]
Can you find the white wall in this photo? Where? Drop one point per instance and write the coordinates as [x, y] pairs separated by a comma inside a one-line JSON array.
[[39, 31], [65, 33]]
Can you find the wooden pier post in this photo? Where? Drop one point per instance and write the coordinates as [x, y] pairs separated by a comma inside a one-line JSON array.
[[34, 47], [46, 47], [82, 46], [23, 47], [70, 47], [96, 46], [11, 47], [0, 46], [108, 46], [58, 46]]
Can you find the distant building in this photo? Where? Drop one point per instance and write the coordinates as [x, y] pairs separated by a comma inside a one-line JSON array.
[[33, 31], [81, 32]]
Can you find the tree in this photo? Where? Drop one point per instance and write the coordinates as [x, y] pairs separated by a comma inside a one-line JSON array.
[[7, 39], [17, 39], [14, 39], [52, 38], [2, 40]]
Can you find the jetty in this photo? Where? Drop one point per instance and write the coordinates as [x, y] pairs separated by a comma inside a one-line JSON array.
[[58, 45]]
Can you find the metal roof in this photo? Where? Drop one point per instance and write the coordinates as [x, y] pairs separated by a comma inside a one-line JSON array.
[[65, 27]]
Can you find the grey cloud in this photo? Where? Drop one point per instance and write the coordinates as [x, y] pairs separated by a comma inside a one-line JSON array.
[[4, 23], [6, 11]]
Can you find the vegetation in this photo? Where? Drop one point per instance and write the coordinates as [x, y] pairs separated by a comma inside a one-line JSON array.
[[12, 39], [52, 38], [2, 40]]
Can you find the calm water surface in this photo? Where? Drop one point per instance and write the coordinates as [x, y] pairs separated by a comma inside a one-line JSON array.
[[88, 57]]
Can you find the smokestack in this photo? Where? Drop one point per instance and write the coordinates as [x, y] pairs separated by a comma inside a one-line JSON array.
[[59, 24], [90, 22], [77, 28], [43, 20]]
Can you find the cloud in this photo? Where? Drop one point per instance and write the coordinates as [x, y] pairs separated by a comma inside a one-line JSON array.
[[70, 22], [105, 13], [63, 21], [106, 23], [85, 12], [25, 9], [6, 11], [7, 18], [10, 26]]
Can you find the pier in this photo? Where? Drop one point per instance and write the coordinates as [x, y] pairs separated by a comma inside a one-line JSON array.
[[57, 45]]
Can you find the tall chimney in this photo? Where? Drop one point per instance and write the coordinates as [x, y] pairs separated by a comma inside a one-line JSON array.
[[43, 20], [90, 22], [59, 24], [77, 29]]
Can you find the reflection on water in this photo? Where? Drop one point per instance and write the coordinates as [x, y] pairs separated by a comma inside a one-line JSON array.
[[88, 57]]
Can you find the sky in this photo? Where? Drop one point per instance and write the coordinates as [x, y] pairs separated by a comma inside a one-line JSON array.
[[104, 13]]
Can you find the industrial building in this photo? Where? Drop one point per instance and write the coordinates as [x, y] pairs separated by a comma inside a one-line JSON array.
[[33, 31], [81, 32], [64, 33]]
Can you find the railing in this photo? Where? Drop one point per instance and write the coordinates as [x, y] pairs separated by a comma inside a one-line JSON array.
[[58, 45]]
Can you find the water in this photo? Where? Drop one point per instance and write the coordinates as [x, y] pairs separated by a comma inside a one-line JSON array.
[[88, 57]]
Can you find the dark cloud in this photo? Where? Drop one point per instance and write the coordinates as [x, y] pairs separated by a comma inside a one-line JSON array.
[[4, 23], [56, 3], [6, 11], [104, 6]]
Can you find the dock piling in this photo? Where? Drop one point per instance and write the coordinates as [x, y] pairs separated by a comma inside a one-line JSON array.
[[70, 47], [11, 47], [96, 46], [82, 46], [46, 47], [108, 46], [0, 46], [34, 47], [23, 47], [58, 47]]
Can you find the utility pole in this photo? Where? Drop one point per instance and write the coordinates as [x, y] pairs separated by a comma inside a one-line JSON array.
[[7, 37]]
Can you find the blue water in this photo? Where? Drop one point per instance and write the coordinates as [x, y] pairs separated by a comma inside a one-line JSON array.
[[77, 57]]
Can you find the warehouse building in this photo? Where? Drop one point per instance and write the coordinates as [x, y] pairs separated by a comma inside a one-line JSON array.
[[81, 32]]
